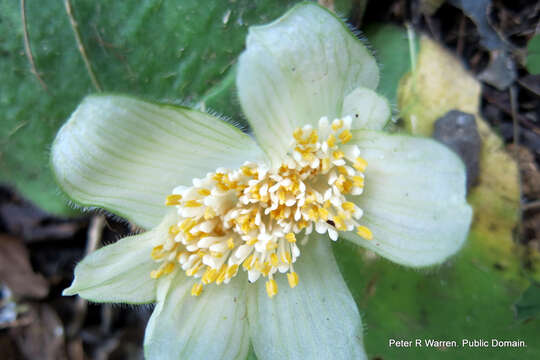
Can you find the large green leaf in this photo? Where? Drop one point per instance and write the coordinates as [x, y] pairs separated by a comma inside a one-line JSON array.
[[159, 49], [471, 296]]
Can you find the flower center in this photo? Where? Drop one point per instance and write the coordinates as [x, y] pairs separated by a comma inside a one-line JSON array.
[[251, 217]]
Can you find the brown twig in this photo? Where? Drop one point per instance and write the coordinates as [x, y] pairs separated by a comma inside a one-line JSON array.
[[461, 36], [80, 45], [522, 119], [28, 49], [531, 205]]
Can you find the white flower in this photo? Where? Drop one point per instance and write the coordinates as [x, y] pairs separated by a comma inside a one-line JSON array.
[[243, 210]]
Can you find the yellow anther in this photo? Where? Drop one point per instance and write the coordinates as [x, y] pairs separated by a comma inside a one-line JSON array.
[[192, 203], [312, 214], [331, 141], [360, 164], [252, 241], [230, 243], [248, 263], [266, 268], [345, 136], [274, 259], [325, 163], [290, 237], [187, 224], [222, 187], [222, 274], [292, 277], [174, 229], [364, 232], [157, 252], [338, 154], [258, 265], [281, 195], [208, 276], [271, 246], [358, 181], [209, 213], [337, 124], [231, 271], [216, 254], [196, 290], [156, 273], [348, 206], [286, 257], [195, 269], [323, 213], [313, 137], [340, 224], [271, 288], [168, 268], [297, 134], [347, 187], [201, 253], [173, 199], [204, 192]]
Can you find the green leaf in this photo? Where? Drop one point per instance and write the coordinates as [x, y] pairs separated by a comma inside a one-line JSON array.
[[533, 55], [162, 50], [528, 304], [391, 47]]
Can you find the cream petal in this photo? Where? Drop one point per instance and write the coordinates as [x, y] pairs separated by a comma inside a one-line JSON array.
[[118, 273], [127, 155], [298, 69], [212, 325], [317, 319], [414, 200], [369, 110]]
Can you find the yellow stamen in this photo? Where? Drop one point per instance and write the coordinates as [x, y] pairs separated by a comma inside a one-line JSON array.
[[173, 199], [196, 290], [192, 203], [157, 252], [364, 232], [360, 164], [348, 206], [331, 141], [274, 259], [230, 243], [292, 277], [337, 124], [345, 136], [271, 288], [167, 269], [231, 271], [338, 154], [358, 181], [204, 192], [290, 237], [209, 213], [323, 213]]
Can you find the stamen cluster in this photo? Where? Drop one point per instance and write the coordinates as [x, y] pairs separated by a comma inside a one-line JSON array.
[[251, 217]]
